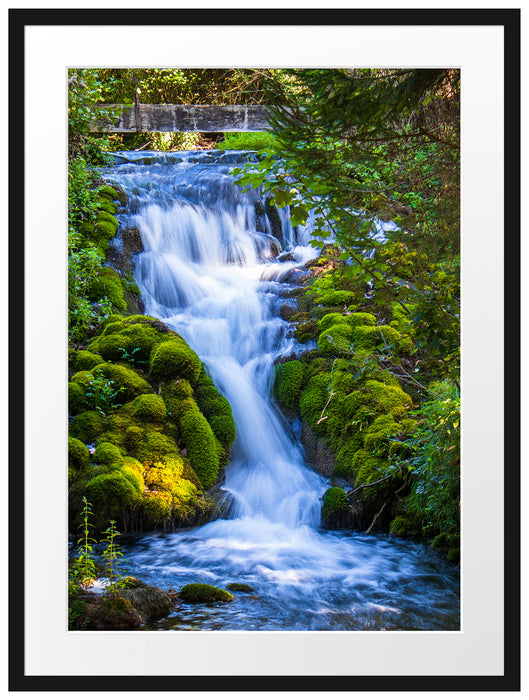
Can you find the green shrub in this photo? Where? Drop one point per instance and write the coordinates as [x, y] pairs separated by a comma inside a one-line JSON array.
[[288, 383], [174, 359], [203, 593]]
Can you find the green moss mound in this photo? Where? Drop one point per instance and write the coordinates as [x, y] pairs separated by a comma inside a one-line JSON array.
[[78, 458], [240, 587], [156, 510], [204, 593], [200, 443], [368, 337], [149, 446], [223, 428], [107, 284], [127, 382], [313, 399], [76, 398], [85, 360], [87, 426], [288, 383], [149, 408], [388, 398], [106, 453], [174, 359], [335, 340], [335, 507], [335, 298], [111, 493]]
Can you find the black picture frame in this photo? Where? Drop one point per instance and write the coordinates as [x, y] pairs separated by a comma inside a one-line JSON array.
[[19, 19]]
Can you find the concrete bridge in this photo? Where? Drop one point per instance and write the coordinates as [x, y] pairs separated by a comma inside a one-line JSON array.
[[208, 118]]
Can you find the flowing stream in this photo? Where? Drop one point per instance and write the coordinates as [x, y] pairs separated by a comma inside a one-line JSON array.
[[217, 265]]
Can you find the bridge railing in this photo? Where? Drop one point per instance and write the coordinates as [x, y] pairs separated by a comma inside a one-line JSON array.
[[173, 118]]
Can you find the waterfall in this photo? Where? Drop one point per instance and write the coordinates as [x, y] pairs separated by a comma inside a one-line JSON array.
[[211, 269]]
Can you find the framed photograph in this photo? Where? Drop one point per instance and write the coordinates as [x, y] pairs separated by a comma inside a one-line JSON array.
[[361, 573]]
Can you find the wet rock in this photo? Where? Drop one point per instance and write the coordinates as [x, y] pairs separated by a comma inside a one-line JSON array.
[[317, 452], [132, 242], [204, 593], [287, 311], [111, 613], [149, 601], [240, 587]]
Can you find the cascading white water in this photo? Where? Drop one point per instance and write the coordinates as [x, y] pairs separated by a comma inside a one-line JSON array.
[[210, 270]]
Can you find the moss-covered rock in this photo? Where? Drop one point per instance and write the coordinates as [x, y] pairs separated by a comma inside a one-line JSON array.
[[85, 360], [127, 382], [240, 588], [345, 456], [454, 555], [76, 398], [151, 602], [335, 340], [379, 433], [87, 426], [156, 510], [335, 298], [288, 383], [360, 318], [78, 458], [335, 510], [204, 593], [174, 359], [106, 206], [305, 331], [149, 408], [107, 284], [388, 398], [313, 399], [223, 428], [200, 443], [401, 526], [110, 494], [106, 453], [149, 446], [368, 468], [369, 337]]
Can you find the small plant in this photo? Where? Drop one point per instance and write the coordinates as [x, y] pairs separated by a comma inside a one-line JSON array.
[[83, 569], [101, 394], [110, 554]]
